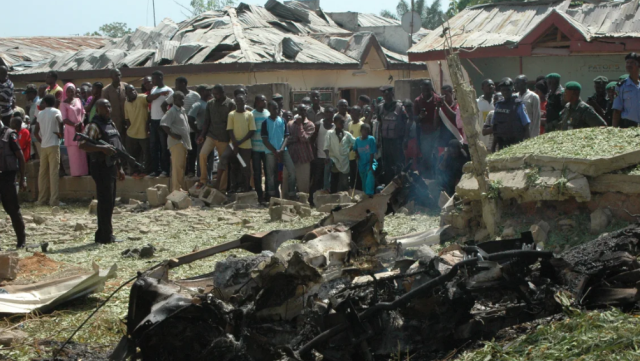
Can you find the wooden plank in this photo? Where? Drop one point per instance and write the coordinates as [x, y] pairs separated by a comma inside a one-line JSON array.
[[207, 252], [242, 41]]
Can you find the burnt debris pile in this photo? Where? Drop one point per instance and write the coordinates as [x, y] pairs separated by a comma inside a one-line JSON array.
[[346, 291]]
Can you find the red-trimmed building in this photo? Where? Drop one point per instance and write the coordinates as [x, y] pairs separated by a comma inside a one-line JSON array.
[[537, 38]]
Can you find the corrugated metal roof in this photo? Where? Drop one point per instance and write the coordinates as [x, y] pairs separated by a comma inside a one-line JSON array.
[[39, 48], [370, 20], [276, 33], [507, 23]]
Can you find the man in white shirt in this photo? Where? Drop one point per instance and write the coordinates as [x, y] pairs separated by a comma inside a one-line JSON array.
[[176, 125], [485, 105], [48, 132], [531, 104], [160, 155], [190, 98]]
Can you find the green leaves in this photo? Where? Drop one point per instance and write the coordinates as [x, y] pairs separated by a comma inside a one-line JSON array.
[[586, 143]]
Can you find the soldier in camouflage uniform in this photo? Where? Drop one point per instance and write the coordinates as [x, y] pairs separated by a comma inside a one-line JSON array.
[[577, 114]]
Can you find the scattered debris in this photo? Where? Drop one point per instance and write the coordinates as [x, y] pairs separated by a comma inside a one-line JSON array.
[[143, 252], [180, 200], [46, 296], [8, 265], [157, 195], [93, 207]]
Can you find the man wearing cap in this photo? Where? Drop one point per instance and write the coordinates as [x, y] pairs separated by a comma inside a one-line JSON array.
[[626, 106], [190, 98], [598, 101], [611, 90], [6, 96], [426, 107], [577, 114], [555, 102], [531, 104], [510, 120], [393, 118]]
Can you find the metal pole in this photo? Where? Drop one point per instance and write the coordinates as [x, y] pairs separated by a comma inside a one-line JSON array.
[[154, 12], [410, 40]]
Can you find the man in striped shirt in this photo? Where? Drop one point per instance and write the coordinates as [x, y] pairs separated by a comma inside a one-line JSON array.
[[301, 131], [6, 96]]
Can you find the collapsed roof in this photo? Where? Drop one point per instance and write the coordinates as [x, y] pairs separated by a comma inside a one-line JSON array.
[[518, 25], [277, 33], [28, 52]]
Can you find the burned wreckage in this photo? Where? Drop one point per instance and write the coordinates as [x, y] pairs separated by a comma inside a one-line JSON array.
[[346, 291]]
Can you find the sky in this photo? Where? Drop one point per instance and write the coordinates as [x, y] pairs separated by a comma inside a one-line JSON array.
[[76, 17]]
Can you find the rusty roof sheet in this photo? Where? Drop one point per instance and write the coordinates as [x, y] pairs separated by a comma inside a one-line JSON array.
[[276, 33], [371, 20], [39, 48], [507, 23]]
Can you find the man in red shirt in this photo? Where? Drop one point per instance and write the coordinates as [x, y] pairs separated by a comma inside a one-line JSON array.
[[24, 137], [426, 107]]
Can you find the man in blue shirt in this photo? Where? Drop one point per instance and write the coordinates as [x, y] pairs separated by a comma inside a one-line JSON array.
[[510, 120], [626, 107]]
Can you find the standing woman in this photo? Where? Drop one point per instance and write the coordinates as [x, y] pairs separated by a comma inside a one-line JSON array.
[[73, 113]]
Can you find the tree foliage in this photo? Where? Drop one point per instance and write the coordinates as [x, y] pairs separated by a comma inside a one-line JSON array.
[[431, 15], [112, 30], [197, 7]]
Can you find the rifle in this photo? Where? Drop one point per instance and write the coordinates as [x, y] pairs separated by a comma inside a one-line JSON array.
[[123, 155]]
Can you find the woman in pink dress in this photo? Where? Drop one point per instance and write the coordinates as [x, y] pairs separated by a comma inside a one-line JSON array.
[[72, 114]]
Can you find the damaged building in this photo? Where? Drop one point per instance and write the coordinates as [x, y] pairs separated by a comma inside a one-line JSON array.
[[342, 54]]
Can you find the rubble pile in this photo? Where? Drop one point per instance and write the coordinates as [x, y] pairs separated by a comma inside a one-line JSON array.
[[345, 291]]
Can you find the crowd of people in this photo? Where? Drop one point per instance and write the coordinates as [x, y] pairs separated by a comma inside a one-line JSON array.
[[179, 132]]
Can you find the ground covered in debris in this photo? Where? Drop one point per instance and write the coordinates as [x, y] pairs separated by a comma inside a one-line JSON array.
[[69, 231], [172, 233]]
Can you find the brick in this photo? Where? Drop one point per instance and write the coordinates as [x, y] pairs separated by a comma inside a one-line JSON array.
[[245, 198], [212, 197], [303, 197], [194, 191], [327, 207], [276, 212], [336, 198], [8, 265], [180, 200], [93, 207], [285, 202]]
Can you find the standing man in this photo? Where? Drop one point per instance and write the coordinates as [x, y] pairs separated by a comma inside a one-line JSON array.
[[241, 127], [599, 99], [176, 125], [393, 118], [555, 102], [337, 145], [115, 94], [49, 131], [274, 135], [611, 96], [320, 169], [258, 155], [190, 98], [158, 138], [301, 131], [315, 113], [577, 114], [196, 120], [51, 79], [426, 107], [136, 117], [33, 115], [214, 134], [279, 99], [343, 109], [6, 96], [510, 120], [12, 162], [105, 168], [626, 106], [531, 104], [486, 105]]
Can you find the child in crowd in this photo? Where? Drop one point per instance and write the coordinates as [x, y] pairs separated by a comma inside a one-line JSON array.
[[337, 145], [24, 136], [365, 147], [354, 129]]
